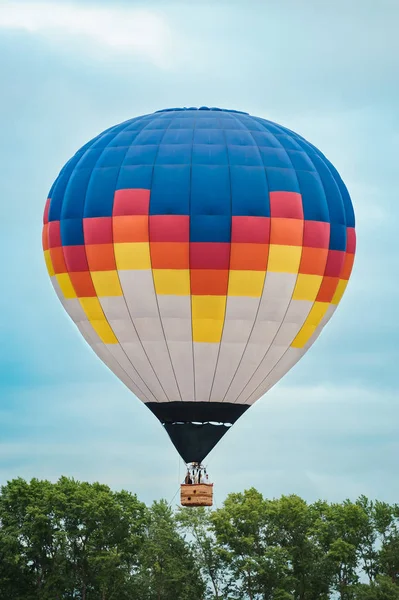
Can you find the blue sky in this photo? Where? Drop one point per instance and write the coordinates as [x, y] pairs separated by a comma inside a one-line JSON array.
[[68, 71]]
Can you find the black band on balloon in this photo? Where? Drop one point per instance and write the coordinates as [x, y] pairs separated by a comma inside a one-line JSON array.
[[197, 412]]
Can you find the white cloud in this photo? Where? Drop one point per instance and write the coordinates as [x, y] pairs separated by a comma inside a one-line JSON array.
[[139, 32], [332, 441]]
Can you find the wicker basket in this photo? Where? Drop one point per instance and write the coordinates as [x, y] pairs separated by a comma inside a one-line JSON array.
[[200, 494]]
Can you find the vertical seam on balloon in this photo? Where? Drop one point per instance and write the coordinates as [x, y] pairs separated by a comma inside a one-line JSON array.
[[231, 232], [130, 315], [127, 307], [305, 145], [254, 393], [152, 272], [341, 187], [84, 246], [120, 284], [289, 304], [285, 314], [328, 209], [46, 231], [189, 256], [84, 206], [50, 195], [263, 287], [228, 273], [140, 377]]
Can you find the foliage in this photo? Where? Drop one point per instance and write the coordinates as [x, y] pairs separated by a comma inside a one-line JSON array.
[[78, 541], [380, 589], [167, 565], [196, 525]]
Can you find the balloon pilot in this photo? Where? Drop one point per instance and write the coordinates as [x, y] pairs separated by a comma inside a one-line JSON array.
[[196, 489], [196, 474]]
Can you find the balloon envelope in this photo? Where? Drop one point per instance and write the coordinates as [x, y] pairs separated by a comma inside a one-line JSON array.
[[200, 253]]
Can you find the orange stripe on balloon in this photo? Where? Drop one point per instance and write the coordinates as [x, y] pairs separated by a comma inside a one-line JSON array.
[[101, 257], [286, 232], [169, 255], [130, 228], [313, 261], [58, 260], [212, 282], [348, 266], [251, 257], [327, 289], [83, 284], [45, 237]]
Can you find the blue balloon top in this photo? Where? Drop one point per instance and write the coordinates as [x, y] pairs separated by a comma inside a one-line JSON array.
[[208, 163]]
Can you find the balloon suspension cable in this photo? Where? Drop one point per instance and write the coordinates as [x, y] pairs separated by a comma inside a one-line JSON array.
[[177, 491], [178, 479]]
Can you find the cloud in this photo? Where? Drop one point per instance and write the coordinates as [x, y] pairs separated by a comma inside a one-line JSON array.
[[331, 441], [140, 32], [90, 431], [71, 69]]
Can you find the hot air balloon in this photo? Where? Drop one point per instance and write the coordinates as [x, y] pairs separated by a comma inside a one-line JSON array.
[[200, 252]]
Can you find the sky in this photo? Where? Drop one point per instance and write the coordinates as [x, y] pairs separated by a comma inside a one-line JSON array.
[[326, 70]]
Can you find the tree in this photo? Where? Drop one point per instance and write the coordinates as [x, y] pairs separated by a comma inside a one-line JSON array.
[[31, 527], [258, 568], [388, 558], [73, 540], [381, 589], [102, 528], [369, 535], [67, 540], [345, 534], [197, 524], [387, 525], [167, 570], [296, 525]]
